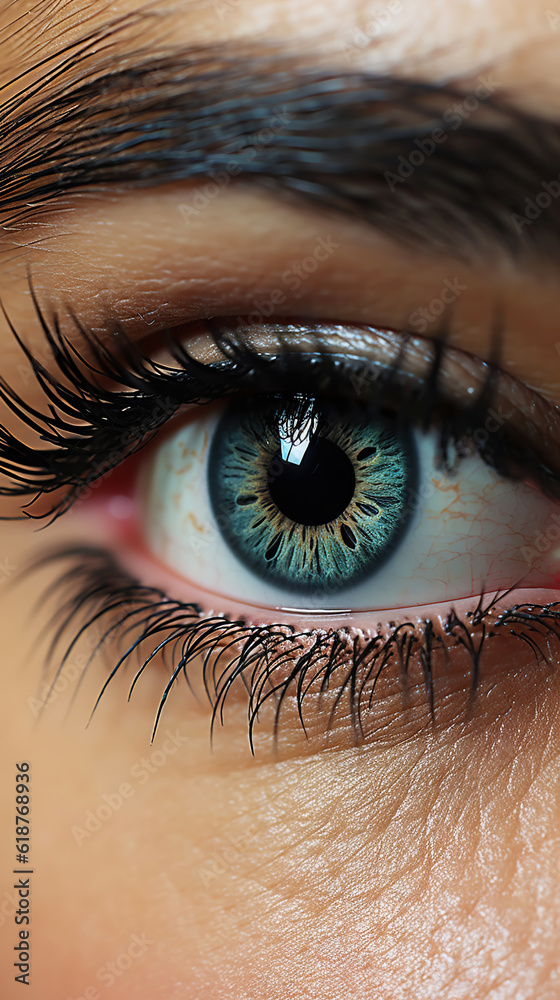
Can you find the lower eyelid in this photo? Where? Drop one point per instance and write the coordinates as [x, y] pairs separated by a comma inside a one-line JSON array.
[[334, 686], [121, 535], [370, 623]]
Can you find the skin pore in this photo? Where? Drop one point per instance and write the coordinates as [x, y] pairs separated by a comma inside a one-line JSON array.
[[422, 863]]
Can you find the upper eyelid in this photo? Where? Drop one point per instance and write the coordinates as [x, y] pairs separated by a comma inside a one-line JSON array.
[[131, 430]]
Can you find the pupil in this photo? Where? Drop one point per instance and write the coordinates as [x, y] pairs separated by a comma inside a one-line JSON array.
[[316, 491]]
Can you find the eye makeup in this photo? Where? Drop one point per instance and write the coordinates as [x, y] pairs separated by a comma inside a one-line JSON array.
[[104, 405]]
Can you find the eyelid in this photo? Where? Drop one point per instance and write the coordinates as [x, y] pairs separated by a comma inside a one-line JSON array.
[[429, 668], [214, 353], [460, 374], [463, 380]]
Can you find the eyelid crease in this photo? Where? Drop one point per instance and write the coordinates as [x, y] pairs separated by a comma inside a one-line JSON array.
[[459, 373]]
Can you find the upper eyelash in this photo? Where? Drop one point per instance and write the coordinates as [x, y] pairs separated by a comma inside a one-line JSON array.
[[271, 660], [91, 428]]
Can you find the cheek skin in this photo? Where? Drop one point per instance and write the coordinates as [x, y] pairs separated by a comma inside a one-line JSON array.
[[268, 878]]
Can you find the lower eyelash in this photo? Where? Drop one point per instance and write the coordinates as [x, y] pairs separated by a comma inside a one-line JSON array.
[[271, 661]]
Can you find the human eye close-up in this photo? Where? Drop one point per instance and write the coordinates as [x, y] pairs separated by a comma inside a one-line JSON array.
[[280, 500]]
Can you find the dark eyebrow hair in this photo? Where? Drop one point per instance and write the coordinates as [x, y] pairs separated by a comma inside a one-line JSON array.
[[440, 167]]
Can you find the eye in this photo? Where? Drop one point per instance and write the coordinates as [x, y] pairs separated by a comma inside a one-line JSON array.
[[326, 502], [307, 502]]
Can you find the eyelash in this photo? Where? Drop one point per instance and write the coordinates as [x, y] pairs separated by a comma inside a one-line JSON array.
[[94, 587], [85, 419]]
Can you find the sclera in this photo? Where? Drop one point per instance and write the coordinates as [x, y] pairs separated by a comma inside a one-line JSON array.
[[468, 533]]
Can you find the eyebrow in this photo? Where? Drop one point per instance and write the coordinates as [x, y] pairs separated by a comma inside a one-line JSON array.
[[445, 168]]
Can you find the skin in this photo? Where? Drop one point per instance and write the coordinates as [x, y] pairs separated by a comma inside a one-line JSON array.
[[423, 863]]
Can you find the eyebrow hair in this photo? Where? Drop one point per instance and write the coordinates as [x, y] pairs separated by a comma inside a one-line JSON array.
[[437, 167]]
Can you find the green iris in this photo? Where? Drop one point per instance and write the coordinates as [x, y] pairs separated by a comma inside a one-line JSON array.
[[311, 496]]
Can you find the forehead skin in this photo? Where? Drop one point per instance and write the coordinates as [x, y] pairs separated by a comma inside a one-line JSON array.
[[425, 870]]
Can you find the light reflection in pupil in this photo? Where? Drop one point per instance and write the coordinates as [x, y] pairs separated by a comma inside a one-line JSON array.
[[316, 490]]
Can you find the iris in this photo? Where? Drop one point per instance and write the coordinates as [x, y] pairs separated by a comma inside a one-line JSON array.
[[312, 496]]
